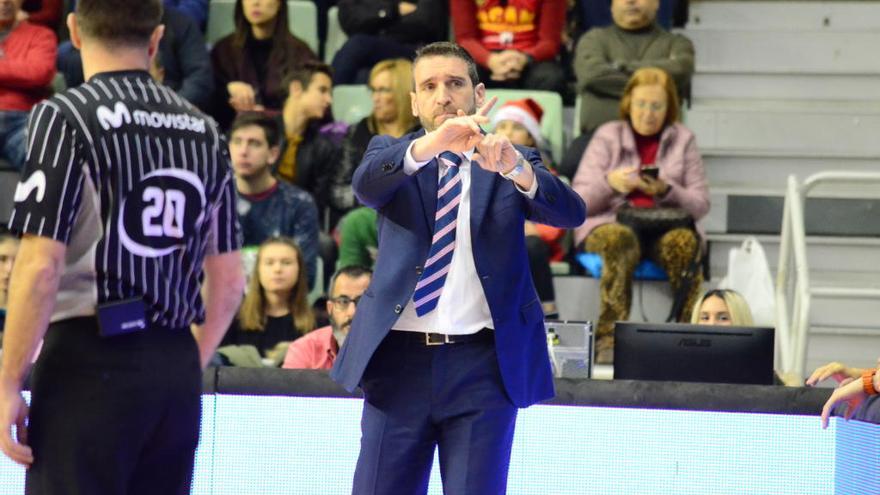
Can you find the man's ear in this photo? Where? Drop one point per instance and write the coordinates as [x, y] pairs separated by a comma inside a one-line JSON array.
[[295, 89], [274, 153], [479, 95], [155, 38], [413, 105], [75, 38]]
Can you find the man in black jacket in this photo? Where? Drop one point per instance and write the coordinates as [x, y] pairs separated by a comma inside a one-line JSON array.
[[378, 30]]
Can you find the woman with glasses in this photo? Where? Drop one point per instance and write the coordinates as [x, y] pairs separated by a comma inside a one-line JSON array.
[[645, 160], [390, 83], [275, 311]]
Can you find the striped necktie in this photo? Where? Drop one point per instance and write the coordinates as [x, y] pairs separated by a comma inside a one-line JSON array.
[[443, 243]]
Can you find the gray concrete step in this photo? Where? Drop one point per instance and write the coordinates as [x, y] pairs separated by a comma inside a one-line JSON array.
[[784, 15]]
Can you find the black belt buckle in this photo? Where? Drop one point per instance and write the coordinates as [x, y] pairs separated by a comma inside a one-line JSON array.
[[432, 339]]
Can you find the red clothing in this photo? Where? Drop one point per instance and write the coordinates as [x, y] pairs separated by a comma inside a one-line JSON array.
[[647, 147], [27, 66], [315, 350], [49, 13], [533, 27]]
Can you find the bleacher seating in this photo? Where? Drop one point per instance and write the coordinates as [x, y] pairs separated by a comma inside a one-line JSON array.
[[302, 18], [351, 102], [336, 37]]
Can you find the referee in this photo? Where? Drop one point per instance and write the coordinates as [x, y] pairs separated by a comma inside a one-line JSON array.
[[126, 208]]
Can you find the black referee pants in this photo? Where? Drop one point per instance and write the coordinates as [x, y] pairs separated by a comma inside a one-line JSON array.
[[114, 416]]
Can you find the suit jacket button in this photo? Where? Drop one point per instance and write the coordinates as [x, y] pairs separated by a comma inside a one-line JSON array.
[[398, 309], [419, 270], [387, 166]]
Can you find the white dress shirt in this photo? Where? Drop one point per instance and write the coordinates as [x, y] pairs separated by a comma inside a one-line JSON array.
[[462, 308]]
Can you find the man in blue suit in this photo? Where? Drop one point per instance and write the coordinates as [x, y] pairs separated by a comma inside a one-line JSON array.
[[448, 340]]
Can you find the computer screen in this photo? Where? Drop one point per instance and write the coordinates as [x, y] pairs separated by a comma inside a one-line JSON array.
[[693, 353]]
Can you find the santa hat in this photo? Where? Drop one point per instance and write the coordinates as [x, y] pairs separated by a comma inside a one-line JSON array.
[[526, 112]]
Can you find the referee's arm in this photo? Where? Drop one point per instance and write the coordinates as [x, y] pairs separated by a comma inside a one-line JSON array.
[[222, 290], [35, 278]]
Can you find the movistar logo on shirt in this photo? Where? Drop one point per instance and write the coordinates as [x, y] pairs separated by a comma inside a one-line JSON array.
[[121, 115]]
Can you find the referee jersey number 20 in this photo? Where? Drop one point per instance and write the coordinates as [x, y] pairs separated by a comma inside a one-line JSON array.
[[137, 183]]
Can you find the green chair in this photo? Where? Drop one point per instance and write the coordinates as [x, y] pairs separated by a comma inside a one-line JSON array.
[[336, 37], [351, 102], [551, 123], [302, 17]]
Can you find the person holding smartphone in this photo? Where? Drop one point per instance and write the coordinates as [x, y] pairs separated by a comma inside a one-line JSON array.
[[645, 160]]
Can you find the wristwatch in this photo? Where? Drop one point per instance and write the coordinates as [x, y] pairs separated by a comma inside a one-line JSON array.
[[516, 170]]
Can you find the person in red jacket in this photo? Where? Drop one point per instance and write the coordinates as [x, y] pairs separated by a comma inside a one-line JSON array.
[[43, 12], [514, 42], [27, 66]]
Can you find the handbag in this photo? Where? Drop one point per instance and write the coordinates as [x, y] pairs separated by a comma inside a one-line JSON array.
[[653, 222]]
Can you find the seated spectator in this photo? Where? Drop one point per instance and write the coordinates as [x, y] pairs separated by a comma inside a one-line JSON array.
[[266, 206], [317, 349], [8, 250], [196, 10], [611, 176], [27, 66], [275, 310], [43, 12], [390, 85], [514, 42], [182, 63], [520, 121], [378, 30], [250, 65], [722, 307], [606, 58], [310, 159], [358, 238]]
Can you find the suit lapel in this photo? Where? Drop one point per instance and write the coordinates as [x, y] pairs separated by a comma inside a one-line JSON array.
[[427, 178], [482, 185]]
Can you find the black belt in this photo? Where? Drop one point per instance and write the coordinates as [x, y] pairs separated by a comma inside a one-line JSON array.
[[431, 339]]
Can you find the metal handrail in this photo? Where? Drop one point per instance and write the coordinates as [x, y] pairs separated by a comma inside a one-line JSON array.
[[792, 324]]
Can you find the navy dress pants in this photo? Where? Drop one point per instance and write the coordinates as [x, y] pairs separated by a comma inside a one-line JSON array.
[[449, 397]]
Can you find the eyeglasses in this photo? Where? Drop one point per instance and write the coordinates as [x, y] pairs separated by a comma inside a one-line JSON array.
[[344, 301]]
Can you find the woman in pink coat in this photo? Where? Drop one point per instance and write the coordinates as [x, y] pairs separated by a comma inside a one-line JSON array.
[[645, 160]]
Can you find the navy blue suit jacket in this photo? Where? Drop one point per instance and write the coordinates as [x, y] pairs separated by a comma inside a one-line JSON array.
[[406, 205]]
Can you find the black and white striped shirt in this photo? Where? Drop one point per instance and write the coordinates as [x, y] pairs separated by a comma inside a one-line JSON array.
[[136, 182]]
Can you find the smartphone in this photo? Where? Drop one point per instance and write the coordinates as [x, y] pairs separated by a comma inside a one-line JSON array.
[[652, 172]]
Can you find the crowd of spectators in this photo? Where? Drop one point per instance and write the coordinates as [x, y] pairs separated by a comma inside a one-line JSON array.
[[293, 161]]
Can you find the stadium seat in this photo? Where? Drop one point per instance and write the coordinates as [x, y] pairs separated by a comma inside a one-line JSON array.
[[551, 123], [351, 102], [336, 37], [302, 18]]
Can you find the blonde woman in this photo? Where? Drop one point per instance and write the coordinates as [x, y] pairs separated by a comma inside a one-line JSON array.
[[390, 84], [722, 307], [275, 310]]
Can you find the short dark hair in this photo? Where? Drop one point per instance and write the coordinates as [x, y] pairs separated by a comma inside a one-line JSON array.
[[268, 124], [350, 271], [304, 74], [449, 49], [126, 22]]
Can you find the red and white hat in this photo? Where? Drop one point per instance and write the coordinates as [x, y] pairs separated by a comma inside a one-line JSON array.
[[526, 112]]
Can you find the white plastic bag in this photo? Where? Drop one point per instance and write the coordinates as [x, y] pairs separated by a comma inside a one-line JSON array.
[[749, 274]]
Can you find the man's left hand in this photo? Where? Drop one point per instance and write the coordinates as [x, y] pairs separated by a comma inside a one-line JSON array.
[[496, 153], [13, 412]]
